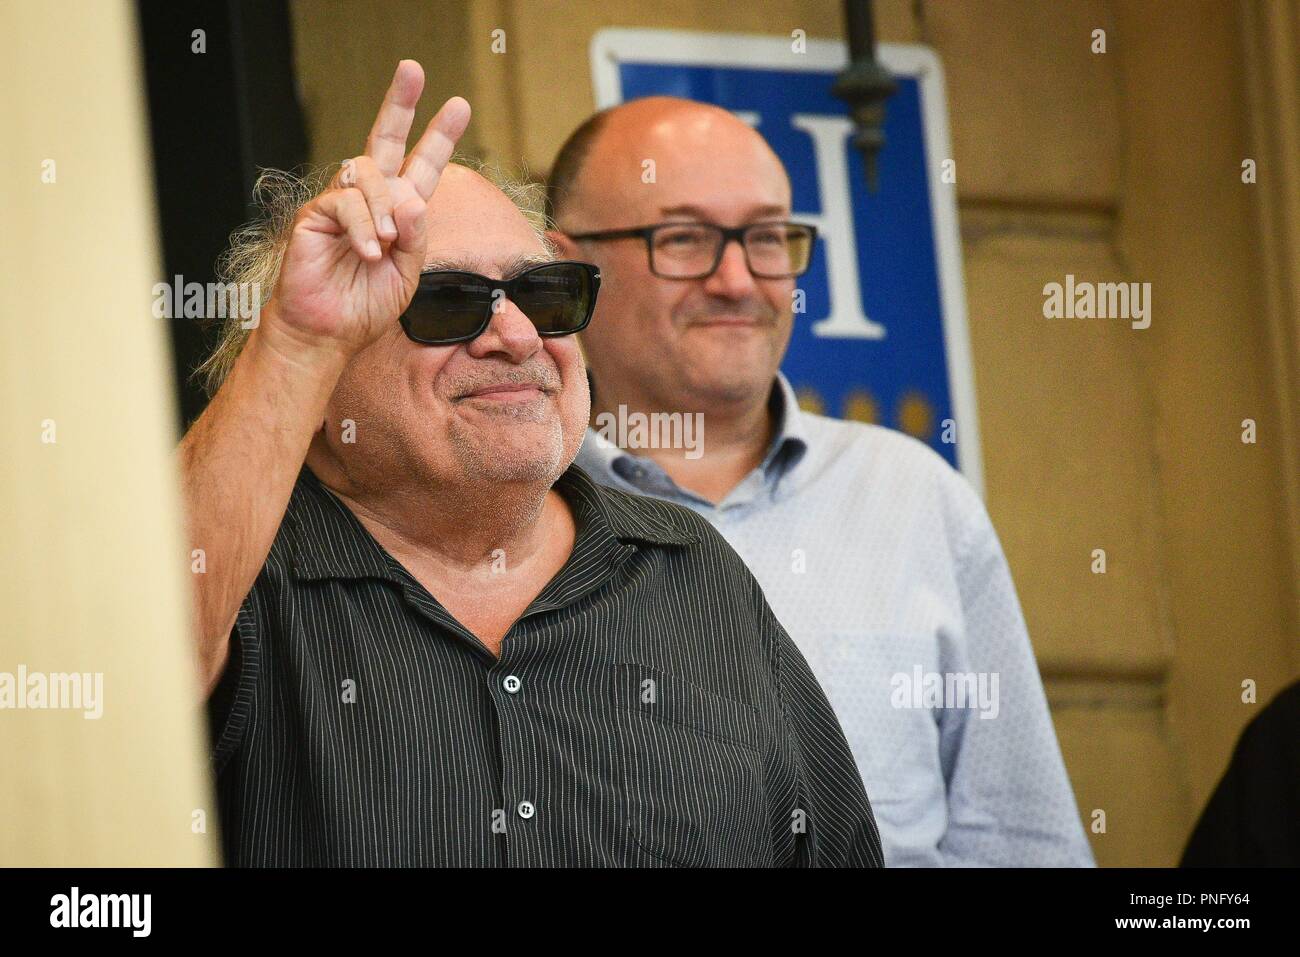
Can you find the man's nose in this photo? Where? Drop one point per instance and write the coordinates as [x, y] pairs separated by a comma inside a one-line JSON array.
[[732, 279], [510, 334]]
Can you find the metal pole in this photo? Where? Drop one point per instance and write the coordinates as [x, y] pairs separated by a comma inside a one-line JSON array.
[[865, 85]]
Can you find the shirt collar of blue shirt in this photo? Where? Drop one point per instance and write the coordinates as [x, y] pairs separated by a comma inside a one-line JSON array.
[[609, 463]]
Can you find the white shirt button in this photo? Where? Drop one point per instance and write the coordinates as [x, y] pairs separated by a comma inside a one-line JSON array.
[[511, 684], [526, 809]]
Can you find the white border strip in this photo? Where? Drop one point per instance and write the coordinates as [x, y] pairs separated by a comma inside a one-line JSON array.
[[611, 47]]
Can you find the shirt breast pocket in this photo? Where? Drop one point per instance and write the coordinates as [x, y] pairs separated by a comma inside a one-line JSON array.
[[692, 772]]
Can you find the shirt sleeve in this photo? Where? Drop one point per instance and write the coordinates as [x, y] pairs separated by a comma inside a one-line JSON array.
[[1010, 803], [840, 827], [231, 702]]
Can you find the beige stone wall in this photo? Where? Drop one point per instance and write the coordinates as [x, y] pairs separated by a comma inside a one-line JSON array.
[[93, 573], [1122, 166]]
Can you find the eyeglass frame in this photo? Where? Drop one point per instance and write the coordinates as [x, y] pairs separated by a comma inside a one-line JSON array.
[[729, 234], [508, 287]]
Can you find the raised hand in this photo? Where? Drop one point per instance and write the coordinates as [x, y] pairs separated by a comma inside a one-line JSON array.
[[355, 251]]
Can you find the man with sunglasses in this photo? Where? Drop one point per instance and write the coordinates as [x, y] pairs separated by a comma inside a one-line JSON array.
[[878, 558], [429, 640]]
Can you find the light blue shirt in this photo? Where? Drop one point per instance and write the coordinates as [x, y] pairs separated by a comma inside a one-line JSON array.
[[881, 562]]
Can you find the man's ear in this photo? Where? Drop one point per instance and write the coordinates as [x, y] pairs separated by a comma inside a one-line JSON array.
[[564, 246]]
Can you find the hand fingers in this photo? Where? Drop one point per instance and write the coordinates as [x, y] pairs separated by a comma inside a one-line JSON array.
[[348, 208], [410, 249], [386, 144], [429, 157], [363, 173]]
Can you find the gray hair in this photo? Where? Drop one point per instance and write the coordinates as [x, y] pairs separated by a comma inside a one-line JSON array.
[[256, 249]]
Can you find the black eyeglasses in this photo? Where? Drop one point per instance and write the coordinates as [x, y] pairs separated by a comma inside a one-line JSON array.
[[451, 306], [777, 250]]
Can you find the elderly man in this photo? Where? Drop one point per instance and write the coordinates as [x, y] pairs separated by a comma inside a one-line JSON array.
[[876, 556], [431, 640]]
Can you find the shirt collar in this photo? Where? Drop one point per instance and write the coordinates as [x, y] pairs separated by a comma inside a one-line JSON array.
[[790, 442], [788, 447], [326, 540], [626, 517]]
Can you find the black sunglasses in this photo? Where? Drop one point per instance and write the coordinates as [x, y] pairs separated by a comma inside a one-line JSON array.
[[451, 306]]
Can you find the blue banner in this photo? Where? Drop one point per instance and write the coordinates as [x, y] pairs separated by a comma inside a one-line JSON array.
[[882, 334]]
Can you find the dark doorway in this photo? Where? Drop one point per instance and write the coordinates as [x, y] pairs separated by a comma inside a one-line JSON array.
[[216, 116]]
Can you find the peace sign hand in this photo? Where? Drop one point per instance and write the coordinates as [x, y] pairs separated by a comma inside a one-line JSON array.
[[355, 251]]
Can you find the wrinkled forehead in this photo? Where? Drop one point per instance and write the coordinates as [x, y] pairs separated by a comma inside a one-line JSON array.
[[472, 225]]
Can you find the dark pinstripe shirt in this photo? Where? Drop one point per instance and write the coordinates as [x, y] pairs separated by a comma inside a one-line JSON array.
[[646, 710]]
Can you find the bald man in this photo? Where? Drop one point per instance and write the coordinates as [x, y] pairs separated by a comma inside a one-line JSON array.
[[432, 640], [876, 556]]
